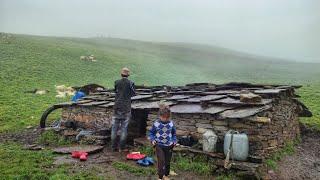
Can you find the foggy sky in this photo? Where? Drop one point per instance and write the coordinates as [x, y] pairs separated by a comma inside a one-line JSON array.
[[287, 29]]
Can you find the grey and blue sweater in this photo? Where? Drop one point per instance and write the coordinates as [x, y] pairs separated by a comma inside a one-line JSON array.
[[164, 133]]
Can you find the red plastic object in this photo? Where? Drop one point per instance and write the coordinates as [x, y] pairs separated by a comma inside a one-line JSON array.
[[135, 156], [75, 154], [83, 156]]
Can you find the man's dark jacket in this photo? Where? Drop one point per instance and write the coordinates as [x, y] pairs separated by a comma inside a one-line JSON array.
[[124, 89]]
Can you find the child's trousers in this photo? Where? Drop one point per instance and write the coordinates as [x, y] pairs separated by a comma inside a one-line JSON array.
[[164, 154]]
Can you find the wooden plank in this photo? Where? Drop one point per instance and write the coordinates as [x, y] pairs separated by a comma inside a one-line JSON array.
[[243, 112], [196, 151], [145, 142]]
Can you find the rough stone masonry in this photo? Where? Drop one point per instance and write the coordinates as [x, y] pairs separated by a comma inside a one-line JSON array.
[[268, 114]]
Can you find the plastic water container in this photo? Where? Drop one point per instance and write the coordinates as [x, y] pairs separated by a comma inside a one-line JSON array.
[[240, 145], [209, 141]]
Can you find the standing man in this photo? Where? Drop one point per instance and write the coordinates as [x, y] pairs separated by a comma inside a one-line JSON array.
[[124, 89]]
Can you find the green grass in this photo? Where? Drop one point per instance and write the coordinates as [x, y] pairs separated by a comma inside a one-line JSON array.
[[17, 163], [147, 150], [311, 98], [29, 62], [288, 149], [136, 170], [199, 165], [226, 177], [52, 138]]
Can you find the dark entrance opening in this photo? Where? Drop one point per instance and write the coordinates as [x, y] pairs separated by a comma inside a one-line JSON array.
[[137, 125]]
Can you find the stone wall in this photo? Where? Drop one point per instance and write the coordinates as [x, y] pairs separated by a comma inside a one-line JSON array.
[[266, 131], [96, 118], [90, 118]]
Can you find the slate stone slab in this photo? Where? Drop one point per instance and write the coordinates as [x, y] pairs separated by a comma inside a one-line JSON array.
[[148, 105], [91, 97], [221, 92], [243, 112], [160, 92], [218, 109], [106, 105], [185, 92], [269, 91], [187, 108], [203, 98], [191, 100], [94, 103], [212, 97], [231, 101], [91, 149], [139, 97], [83, 101], [177, 97]]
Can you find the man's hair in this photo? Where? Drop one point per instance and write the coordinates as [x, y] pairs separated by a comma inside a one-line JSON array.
[[164, 110]]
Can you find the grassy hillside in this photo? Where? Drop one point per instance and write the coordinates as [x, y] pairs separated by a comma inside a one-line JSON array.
[[29, 62]]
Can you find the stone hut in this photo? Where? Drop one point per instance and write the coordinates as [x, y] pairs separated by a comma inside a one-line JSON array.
[[268, 114]]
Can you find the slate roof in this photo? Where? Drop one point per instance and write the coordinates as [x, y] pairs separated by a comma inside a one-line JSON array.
[[222, 100]]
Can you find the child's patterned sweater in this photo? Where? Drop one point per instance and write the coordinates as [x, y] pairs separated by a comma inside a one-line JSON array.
[[164, 133]]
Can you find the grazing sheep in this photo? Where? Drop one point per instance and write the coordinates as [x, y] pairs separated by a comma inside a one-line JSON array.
[[83, 57], [63, 91], [91, 58]]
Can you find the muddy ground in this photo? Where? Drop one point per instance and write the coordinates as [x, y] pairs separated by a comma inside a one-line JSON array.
[[303, 164], [99, 162]]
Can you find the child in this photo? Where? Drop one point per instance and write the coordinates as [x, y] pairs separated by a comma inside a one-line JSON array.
[[163, 136]]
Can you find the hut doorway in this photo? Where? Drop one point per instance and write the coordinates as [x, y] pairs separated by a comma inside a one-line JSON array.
[[138, 124]]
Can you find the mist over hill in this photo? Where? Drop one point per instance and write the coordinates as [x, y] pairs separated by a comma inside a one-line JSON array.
[[151, 62]]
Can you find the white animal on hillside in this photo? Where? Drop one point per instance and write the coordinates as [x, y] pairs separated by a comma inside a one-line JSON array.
[[63, 91], [91, 58]]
